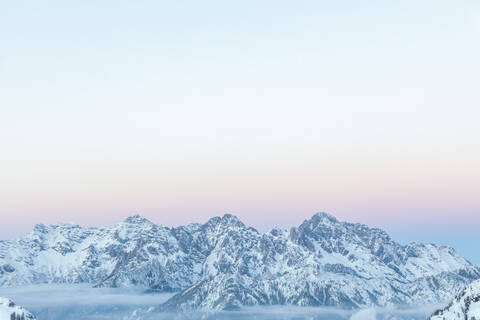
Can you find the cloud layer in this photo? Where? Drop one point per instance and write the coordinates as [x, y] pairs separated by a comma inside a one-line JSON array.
[[70, 302]]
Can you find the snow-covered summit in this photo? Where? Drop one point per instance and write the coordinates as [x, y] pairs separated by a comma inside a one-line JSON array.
[[322, 216], [227, 220], [137, 219]]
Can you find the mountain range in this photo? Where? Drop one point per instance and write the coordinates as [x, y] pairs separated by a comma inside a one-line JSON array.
[[223, 264]]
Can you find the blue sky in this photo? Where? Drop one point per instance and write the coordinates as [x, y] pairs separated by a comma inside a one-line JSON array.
[[270, 110]]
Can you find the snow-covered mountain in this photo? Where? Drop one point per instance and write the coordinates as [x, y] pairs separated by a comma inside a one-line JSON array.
[[223, 264], [465, 305], [10, 311], [323, 262]]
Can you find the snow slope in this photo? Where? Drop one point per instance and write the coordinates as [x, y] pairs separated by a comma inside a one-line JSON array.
[[465, 305], [9, 310]]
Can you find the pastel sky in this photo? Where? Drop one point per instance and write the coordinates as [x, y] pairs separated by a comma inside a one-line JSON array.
[[270, 110]]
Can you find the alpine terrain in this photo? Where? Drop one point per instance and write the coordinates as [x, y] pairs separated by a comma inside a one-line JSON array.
[[465, 305], [223, 264], [10, 311]]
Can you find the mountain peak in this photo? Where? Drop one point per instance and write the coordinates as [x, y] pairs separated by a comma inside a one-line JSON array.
[[229, 216], [226, 219], [324, 216], [40, 228], [137, 219]]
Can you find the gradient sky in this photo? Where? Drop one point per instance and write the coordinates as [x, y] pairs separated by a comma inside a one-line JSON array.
[[270, 110]]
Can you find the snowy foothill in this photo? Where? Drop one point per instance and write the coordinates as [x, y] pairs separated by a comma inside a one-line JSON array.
[[9, 310], [465, 305]]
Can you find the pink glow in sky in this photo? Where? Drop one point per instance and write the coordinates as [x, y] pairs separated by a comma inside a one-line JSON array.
[[271, 112]]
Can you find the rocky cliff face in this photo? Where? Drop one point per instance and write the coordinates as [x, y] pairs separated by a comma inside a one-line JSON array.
[[223, 264]]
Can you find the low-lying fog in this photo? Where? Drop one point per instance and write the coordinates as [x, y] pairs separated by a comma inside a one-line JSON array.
[[81, 302]]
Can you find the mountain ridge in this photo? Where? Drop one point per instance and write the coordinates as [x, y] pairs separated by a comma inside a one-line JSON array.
[[224, 264]]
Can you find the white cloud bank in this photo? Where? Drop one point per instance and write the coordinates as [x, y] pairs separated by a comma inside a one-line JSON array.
[[74, 302], [365, 314]]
